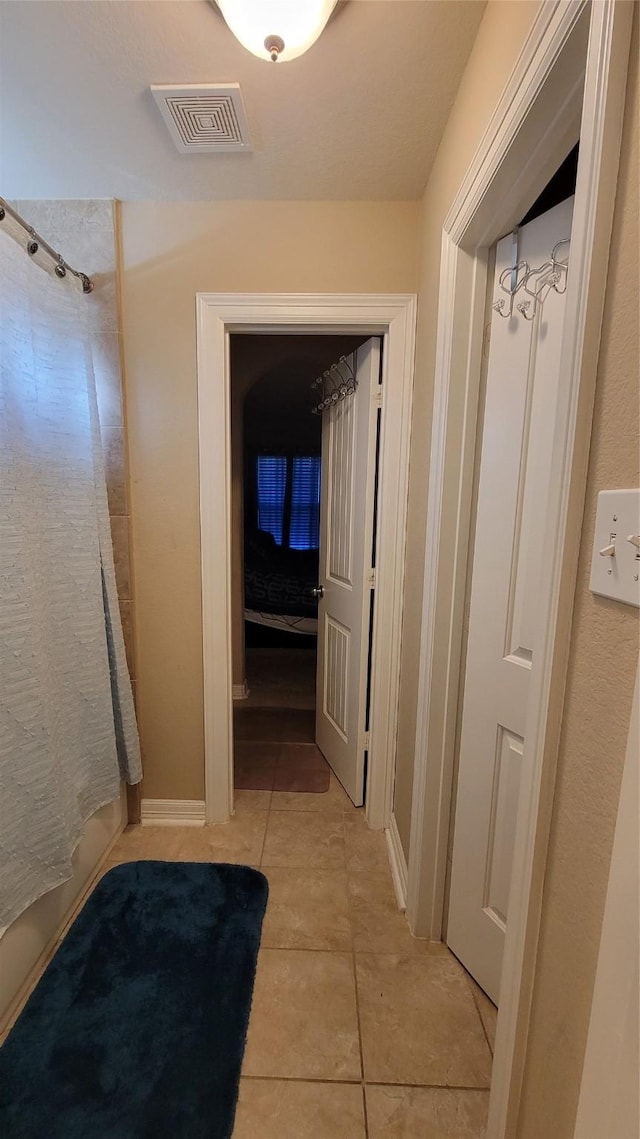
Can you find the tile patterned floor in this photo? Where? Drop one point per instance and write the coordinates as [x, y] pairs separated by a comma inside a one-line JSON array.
[[272, 766], [357, 1031]]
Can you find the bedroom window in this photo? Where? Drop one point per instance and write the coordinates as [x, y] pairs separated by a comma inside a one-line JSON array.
[[271, 472], [288, 495]]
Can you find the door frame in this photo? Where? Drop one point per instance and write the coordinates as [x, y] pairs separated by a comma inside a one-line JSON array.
[[561, 89], [393, 317]]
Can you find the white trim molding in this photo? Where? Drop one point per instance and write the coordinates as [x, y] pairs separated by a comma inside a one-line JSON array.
[[241, 691], [172, 813], [568, 84], [398, 863], [218, 316]]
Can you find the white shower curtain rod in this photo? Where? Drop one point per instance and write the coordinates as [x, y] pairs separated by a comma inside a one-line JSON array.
[[36, 242]]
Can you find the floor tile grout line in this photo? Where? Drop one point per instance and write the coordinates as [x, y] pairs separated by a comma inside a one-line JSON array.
[[481, 1089], [307, 1080], [436, 1087], [299, 949], [357, 996], [264, 836]]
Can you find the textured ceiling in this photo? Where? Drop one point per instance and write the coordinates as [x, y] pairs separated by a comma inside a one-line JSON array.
[[358, 117]]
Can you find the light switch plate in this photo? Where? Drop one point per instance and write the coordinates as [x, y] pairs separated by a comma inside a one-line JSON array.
[[617, 519]]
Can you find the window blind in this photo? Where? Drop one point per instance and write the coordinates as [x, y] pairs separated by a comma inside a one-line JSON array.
[[271, 471], [304, 527], [288, 497]]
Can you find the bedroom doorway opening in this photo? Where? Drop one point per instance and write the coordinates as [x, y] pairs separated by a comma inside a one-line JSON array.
[[277, 475]]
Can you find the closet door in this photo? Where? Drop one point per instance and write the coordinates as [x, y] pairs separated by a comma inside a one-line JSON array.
[[349, 435], [523, 380]]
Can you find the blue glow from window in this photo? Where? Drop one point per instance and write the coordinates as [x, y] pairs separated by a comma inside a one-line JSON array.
[[300, 477], [271, 472], [304, 528]]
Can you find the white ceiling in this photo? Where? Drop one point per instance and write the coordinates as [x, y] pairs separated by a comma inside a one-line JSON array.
[[358, 117]]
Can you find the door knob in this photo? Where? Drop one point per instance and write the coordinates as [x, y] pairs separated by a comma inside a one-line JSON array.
[[318, 592]]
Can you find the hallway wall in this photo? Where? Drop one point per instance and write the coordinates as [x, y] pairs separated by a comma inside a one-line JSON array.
[[604, 643], [597, 706], [171, 251]]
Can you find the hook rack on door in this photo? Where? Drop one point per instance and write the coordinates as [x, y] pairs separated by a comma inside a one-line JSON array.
[[335, 384], [537, 282]]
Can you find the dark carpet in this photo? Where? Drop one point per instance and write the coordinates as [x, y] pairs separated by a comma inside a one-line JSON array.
[[137, 1028]]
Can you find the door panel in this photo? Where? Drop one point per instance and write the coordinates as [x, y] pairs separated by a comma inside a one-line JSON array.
[[523, 380], [346, 527]]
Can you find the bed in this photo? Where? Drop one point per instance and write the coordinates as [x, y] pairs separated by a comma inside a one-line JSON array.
[[278, 585]]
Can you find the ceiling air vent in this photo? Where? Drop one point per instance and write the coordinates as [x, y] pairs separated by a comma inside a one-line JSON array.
[[207, 119]]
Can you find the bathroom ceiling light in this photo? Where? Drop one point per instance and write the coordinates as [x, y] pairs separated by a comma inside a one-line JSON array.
[[276, 29]]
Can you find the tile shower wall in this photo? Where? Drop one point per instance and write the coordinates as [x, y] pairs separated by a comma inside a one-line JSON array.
[[85, 232]]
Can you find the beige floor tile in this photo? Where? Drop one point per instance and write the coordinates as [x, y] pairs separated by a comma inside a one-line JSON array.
[[240, 840], [378, 925], [303, 1019], [488, 1012], [419, 1022], [251, 801], [426, 1113], [366, 849], [148, 842], [295, 1109], [307, 909], [335, 799], [304, 840]]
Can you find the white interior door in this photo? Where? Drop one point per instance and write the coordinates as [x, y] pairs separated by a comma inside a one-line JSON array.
[[349, 433], [523, 379]]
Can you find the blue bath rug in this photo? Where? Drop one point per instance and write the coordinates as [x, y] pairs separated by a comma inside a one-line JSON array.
[[137, 1028]]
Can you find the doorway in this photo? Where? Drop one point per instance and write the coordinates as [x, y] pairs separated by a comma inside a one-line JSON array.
[[219, 317], [278, 384]]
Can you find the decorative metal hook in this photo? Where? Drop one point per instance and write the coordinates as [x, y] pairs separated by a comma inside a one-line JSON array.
[[516, 275], [335, 384], [552, 274]]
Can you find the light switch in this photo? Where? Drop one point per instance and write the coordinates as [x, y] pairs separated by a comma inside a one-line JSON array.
[[615, 564]]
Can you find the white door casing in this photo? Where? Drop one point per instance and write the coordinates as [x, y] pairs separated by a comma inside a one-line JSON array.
[[523, 380], [346, 562], [392, 316]]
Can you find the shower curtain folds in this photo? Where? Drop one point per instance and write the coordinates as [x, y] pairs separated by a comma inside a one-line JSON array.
[[67, 725]]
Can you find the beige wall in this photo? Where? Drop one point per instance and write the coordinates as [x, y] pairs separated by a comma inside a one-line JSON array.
[[171, 251], [501, 35], [605, 635], [604, 653]]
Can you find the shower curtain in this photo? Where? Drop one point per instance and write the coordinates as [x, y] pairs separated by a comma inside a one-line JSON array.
[[67, 725]]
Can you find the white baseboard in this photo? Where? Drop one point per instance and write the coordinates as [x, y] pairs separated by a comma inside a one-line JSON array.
[[398, 862], [240, 691], [172, 813]]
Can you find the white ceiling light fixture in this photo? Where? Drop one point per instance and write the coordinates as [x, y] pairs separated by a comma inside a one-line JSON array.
[[276, 29]]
